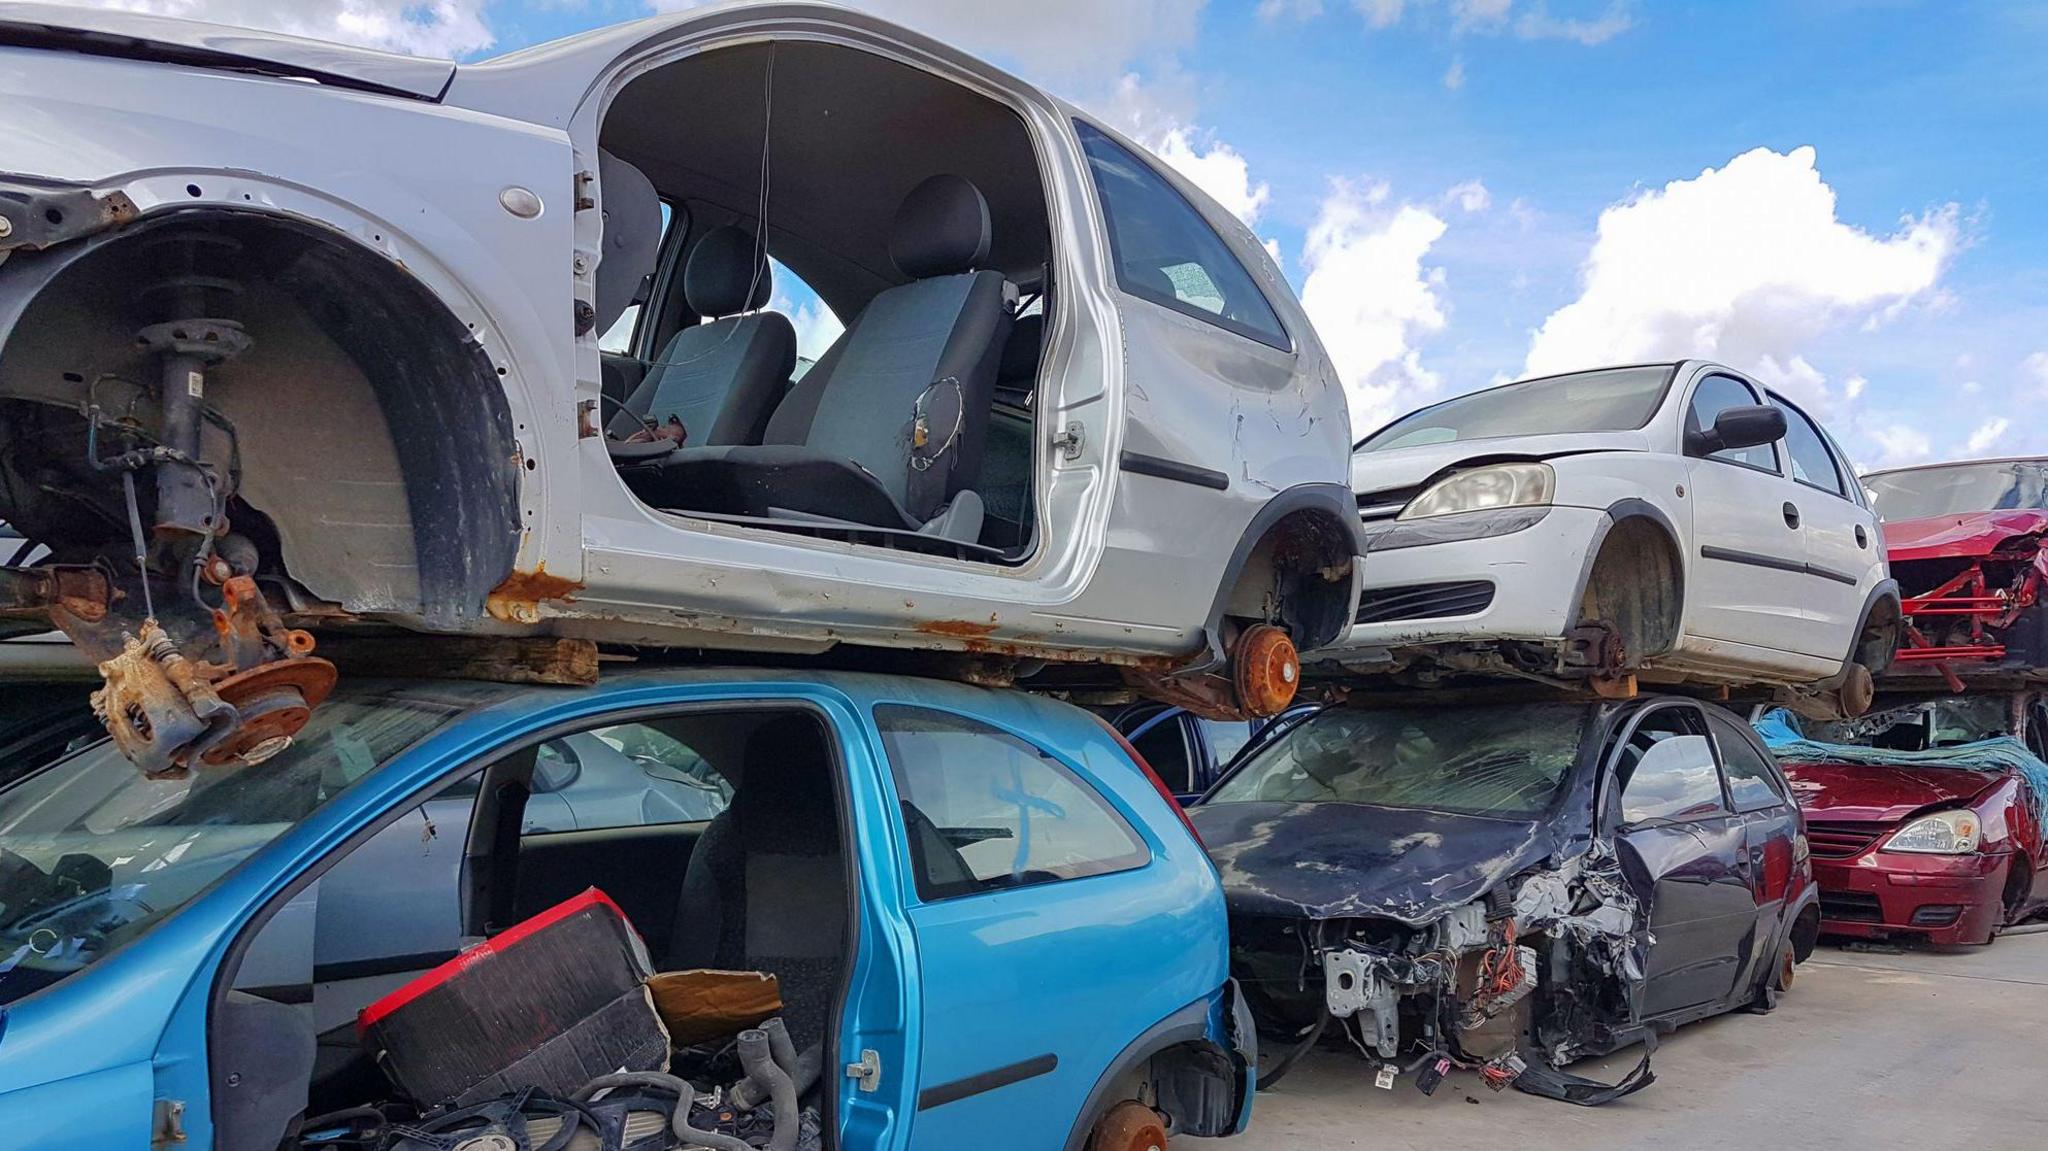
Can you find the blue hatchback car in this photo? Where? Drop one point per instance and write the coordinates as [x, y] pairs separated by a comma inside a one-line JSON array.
[[989, 913]]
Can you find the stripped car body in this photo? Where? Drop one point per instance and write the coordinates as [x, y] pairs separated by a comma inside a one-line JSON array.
[[1511, 886], [1928, 816], [1968, 543], [331, 325]]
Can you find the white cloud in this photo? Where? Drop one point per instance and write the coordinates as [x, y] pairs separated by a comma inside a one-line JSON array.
[[1469, 196], [1290, 9], [1454, 76], [1215, 168], [1379, 13], [1371, 299], [1746, 263], [1987, 434], [1536, 23], [1899, 444], [439, 28], [2036, 368]]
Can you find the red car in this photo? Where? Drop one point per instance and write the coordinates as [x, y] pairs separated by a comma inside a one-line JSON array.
[[1907, 841], [1968, 543]]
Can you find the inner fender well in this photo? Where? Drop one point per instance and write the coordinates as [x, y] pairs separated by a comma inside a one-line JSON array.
[[1636, 580], [1301, 534], [345, 339]]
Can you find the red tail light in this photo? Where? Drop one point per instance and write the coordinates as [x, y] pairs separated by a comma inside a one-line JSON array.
[[1158, 784]]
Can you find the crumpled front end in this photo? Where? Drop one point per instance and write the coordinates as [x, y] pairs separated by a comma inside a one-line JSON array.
[[1544, 968], [1975, 591]]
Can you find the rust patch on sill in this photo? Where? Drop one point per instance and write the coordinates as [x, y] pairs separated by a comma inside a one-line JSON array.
[[518, 599], [958, 628]]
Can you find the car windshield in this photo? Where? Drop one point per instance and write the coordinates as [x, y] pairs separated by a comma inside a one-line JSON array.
[[1921, 726], [93, 853], [1500, 761], [1608, 400], [1960, 489]]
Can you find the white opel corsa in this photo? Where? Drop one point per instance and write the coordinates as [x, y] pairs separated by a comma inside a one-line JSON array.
[[1668, 522]]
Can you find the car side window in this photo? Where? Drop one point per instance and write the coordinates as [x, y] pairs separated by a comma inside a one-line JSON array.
[[1226, 737], [1164, 747], [984, 810], [627, 775], [1666, 769], [1165, 252], [1813, 464], [1714, 395], [1752, 785]]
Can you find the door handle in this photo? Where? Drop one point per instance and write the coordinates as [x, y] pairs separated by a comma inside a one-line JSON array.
[[1791, 515]]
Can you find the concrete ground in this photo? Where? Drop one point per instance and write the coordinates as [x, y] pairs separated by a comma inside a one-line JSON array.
[[1919, 1049]]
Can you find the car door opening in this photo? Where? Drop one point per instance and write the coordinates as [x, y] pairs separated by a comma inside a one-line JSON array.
[[913, 210], [729, 921]]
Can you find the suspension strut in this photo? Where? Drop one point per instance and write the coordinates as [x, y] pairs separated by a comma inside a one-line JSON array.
[[198, 683]]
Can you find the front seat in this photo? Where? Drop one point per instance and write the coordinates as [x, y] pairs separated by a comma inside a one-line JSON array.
[[887, 428], [765, 889], [720, 379]]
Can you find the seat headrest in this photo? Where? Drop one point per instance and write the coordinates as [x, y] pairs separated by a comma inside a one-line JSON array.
[[722, 267], [942, 228], [632, 235]]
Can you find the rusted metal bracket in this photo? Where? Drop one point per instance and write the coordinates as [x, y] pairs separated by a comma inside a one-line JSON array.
[[38, 214]]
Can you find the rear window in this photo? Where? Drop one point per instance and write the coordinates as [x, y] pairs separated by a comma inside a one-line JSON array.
[[1503, 761]]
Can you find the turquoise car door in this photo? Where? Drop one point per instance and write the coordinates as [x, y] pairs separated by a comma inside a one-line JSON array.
[[1046, 917]]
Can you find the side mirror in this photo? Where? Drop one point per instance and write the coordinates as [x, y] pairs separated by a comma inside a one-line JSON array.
[[1748, 426]]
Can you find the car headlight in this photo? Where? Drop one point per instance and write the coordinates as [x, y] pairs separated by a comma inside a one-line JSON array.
[[1493, 486], [1943, 833]]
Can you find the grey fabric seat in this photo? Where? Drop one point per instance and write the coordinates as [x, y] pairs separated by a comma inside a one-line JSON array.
[[887, 428], [720, 379], [766, 886]]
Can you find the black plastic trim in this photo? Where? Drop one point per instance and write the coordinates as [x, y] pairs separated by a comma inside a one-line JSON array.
[[1752, 559], [1161, 468], [986, 1081]]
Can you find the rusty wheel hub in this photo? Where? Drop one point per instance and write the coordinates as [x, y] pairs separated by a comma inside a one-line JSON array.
[[1787, 964], [1129, 1126], [1266, 670], [274, 700]]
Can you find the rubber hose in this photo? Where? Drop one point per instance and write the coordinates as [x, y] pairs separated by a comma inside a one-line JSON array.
[[687, 1135], [748, 1094], [780, 1047], [761, 1067]]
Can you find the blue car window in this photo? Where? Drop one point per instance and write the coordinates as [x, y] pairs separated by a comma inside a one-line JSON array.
[[985, 810]]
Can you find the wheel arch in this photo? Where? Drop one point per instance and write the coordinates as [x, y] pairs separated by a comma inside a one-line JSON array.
[[451, 432], [1185, 1029], [1297, 535], [1636, 524]]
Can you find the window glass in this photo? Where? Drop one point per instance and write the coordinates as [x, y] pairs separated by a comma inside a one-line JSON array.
[[1610, 400], [985, 810], [1667, 769], [1714, 395], [624, 775], [1752, 785], [817, 326], [618, 339], [1493, 761], [97, 853], [1959, 489], [1164, 746], [1812, 463], [1226, 738], [1166, 252]]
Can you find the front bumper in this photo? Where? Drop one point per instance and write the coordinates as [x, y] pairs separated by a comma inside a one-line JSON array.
[[1945, 899], [1533, 574]]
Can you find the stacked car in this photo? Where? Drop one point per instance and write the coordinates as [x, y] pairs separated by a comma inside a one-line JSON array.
[[1926, 815]]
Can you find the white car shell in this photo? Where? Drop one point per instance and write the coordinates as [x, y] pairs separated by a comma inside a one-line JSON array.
[[1700, 567], [1179, 467]]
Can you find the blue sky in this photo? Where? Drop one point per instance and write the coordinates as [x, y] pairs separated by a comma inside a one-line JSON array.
[[1842, 195]]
